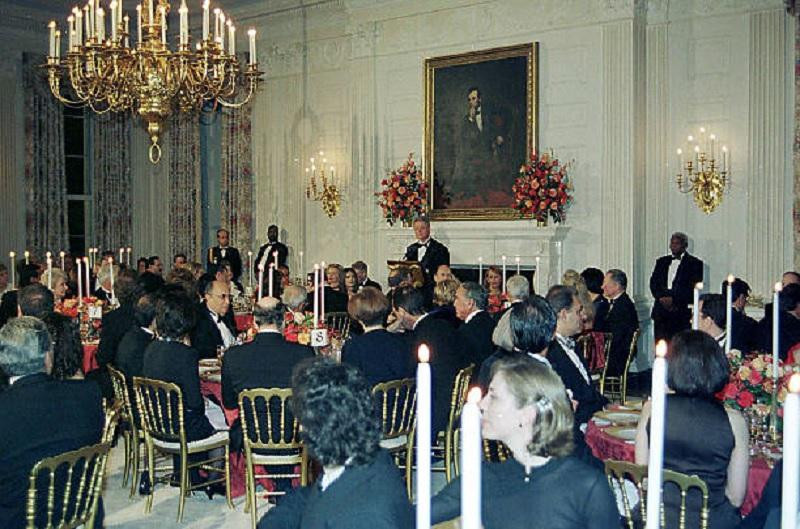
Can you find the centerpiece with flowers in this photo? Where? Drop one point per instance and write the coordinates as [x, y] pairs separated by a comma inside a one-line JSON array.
[[404, 194], [543, 189]]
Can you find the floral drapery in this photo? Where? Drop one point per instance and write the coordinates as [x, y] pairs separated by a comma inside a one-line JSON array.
[[111, 185], [45, 181], [185, 186], [236, 185]]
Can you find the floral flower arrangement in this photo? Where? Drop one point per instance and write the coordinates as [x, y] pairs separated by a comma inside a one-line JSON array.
[[750, 384], [70, 307], [542, 189], [404, 193]]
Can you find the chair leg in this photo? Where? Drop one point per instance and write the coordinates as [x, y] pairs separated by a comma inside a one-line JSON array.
[[228, 476], [148, 506], [184, 484], [303, 467], [135, 463], [127, 464], [409, 465], [251, 504], [448, 456]]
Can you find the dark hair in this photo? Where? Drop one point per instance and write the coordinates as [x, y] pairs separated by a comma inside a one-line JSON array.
[[150, 282], [476, 293], [792, 273], [175, 314], [204, 283], [152, 260], [368, 306], [410, 299], [333, 403], [682, 237], [738, 287], [125, 286], [269, 316], [789, 297], [561, 297], [344, 276], [36, 300], [474, 89], [174, 257], [398, 275], [593, 277], [221, 230], [67, 348], [533, 324], [27, 272], [144, 311], [140, 261], [360, 265], [714, 306], [697, 367], [619, 277]]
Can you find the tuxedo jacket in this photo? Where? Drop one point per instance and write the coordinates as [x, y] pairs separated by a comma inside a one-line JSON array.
[[335, 301], [231, 255], [436, 255], [381, 355], [689, 273], [370, 283], [114, 325], [266, 362], [283, 253], [619, 318], [589, 399], [476, 338], [177, 363], [41, 417], [370, 496], [130, 354], [205, 335]]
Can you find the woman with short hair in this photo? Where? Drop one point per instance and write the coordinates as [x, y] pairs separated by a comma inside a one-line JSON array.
[[541, 485], [444, 294]]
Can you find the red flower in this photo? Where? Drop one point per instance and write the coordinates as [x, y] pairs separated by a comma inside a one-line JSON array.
[[745, 399], [755, 377]]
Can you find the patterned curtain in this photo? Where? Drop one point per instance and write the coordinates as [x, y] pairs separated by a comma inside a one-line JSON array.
[[45, 181], [111, 187], [185, 186], [236, 187]]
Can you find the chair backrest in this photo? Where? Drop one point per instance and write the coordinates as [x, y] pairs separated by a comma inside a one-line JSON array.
[[267, 419], [616, 387], [587, 344], [340, 322], [112, 414], [160, 407], [459, 395], [397, 401], [122, 395], [495, 451], [63, 490], [618, 472]]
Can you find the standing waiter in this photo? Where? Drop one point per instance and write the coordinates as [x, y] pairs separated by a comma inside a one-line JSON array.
[[224, 252]]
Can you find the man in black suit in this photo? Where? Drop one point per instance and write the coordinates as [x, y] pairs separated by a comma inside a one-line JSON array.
[[105, 291], [41, 417], [429, 252], [360, 487], [475, 335], [788, 325], [266, 254], [744, 328], [155, 266], [130, 353], [563, 357], [215, 326], [672, 283], [224, 252], [619, 318], [360, 268], [408, 305], [116, 323]]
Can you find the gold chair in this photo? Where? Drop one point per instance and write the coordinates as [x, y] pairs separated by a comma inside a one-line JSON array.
[[587, 347], [112, 417], [618, 472], [397, 400], [160, 407], [64, 490], [339, 321], [495, 451], [132, 434], [616, 387], [268, 425]]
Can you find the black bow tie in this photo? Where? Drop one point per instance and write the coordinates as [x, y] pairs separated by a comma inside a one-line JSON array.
[[676, 257]]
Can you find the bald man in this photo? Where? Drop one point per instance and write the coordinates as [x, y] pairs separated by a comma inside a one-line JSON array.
[[215, 327]]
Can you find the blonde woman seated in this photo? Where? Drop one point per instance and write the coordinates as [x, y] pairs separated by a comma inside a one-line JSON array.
[[444, 294], [572, 278], [541, 486]]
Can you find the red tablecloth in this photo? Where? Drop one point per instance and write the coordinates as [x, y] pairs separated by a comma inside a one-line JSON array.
[[90, 357], [605, 447]]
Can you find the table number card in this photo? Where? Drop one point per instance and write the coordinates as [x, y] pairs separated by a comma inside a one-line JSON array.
[[319, 337], [95, 312]]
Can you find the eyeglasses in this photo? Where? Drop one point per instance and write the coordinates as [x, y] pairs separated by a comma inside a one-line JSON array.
[[220, 296]]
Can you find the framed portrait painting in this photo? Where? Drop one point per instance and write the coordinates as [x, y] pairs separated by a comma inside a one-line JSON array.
[[480, 126]]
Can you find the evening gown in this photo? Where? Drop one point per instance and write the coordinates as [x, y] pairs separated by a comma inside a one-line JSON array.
[[698, 440]]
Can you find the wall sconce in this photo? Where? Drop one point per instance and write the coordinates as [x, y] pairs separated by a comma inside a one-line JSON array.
[[700, 174], [321, 186]]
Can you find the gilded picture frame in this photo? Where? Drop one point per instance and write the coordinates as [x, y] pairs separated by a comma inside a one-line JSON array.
[[480, 125]]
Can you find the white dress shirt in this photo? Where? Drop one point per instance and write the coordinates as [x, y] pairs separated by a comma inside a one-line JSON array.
[[422, 249], [228, 339], [673, 269], [568, 344]]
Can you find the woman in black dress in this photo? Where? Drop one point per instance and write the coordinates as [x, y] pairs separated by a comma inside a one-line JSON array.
[[701, 436], [542, 485]]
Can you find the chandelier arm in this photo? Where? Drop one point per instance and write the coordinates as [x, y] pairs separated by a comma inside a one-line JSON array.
[[239, 104]]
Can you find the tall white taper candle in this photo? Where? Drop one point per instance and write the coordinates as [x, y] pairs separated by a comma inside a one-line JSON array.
[[655, 458], [504, 274], [696, 305], [729, 314], [791, 455], [776, 330], [423, 438], [471, 457]]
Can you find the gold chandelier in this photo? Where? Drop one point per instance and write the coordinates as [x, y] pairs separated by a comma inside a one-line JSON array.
[[322, 188], [700, 174], [103, 71]]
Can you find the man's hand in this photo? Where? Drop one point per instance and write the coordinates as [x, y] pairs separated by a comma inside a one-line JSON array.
[[666, 302]]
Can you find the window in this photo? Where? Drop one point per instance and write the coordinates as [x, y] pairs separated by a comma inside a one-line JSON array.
[[79, 196]]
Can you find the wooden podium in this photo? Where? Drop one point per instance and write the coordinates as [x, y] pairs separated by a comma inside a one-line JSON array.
[[414, 267]]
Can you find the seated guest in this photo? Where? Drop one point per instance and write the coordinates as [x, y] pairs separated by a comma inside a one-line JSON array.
[[41, 417], [542, 485], [223, 271], [445, 357], [360, 488], [183, 277], [141, 265], [744, 328], [618, 316], [350, 282], [179, 260], [294, 299], [444, 295], [154, 266], [712, 319], [789, 322], [593, 277], [787, 278], [130, 353], [565, 361], [215, 327], [398, 277], [284, 275], [572, 278], [443, 273], [59, 282], [334, 295], [475, 335], [380, 355], [493, 283], [518, 289], [29, 275], [702, 437], [117, 322], [35, 300], [5, 285], [67, 348], [363, 279], [104, 290]]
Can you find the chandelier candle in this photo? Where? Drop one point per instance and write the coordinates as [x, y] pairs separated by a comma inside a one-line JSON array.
[[275, 259], [184, 30], [517, 260], [776, 330], [323, 278], [791, 455], [655, 457], [423, 438], [205, 20], [316, 294], [121, 255], [128, 255], [696, 306], [251, 33], [113, 8], [471, 457], [13, 267], [729, 315], [139, 23]]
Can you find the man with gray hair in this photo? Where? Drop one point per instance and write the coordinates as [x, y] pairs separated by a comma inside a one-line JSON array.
[[294, 297], [518, 289], [618, 316], [41, 417], [475, 335], [671, 284], [105, 290]]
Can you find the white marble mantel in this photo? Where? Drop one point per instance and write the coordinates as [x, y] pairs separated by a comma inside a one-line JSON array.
[[468, 240]]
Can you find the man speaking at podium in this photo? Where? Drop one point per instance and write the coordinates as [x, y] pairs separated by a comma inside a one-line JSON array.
[[429, 252]]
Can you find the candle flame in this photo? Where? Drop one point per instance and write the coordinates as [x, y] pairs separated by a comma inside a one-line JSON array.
[[680, 151], [661, 349], [424, 354], [730, 279], [12, 254], [474, 395], [316, 266], [794, 383], [778, 286], [699, 286]]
